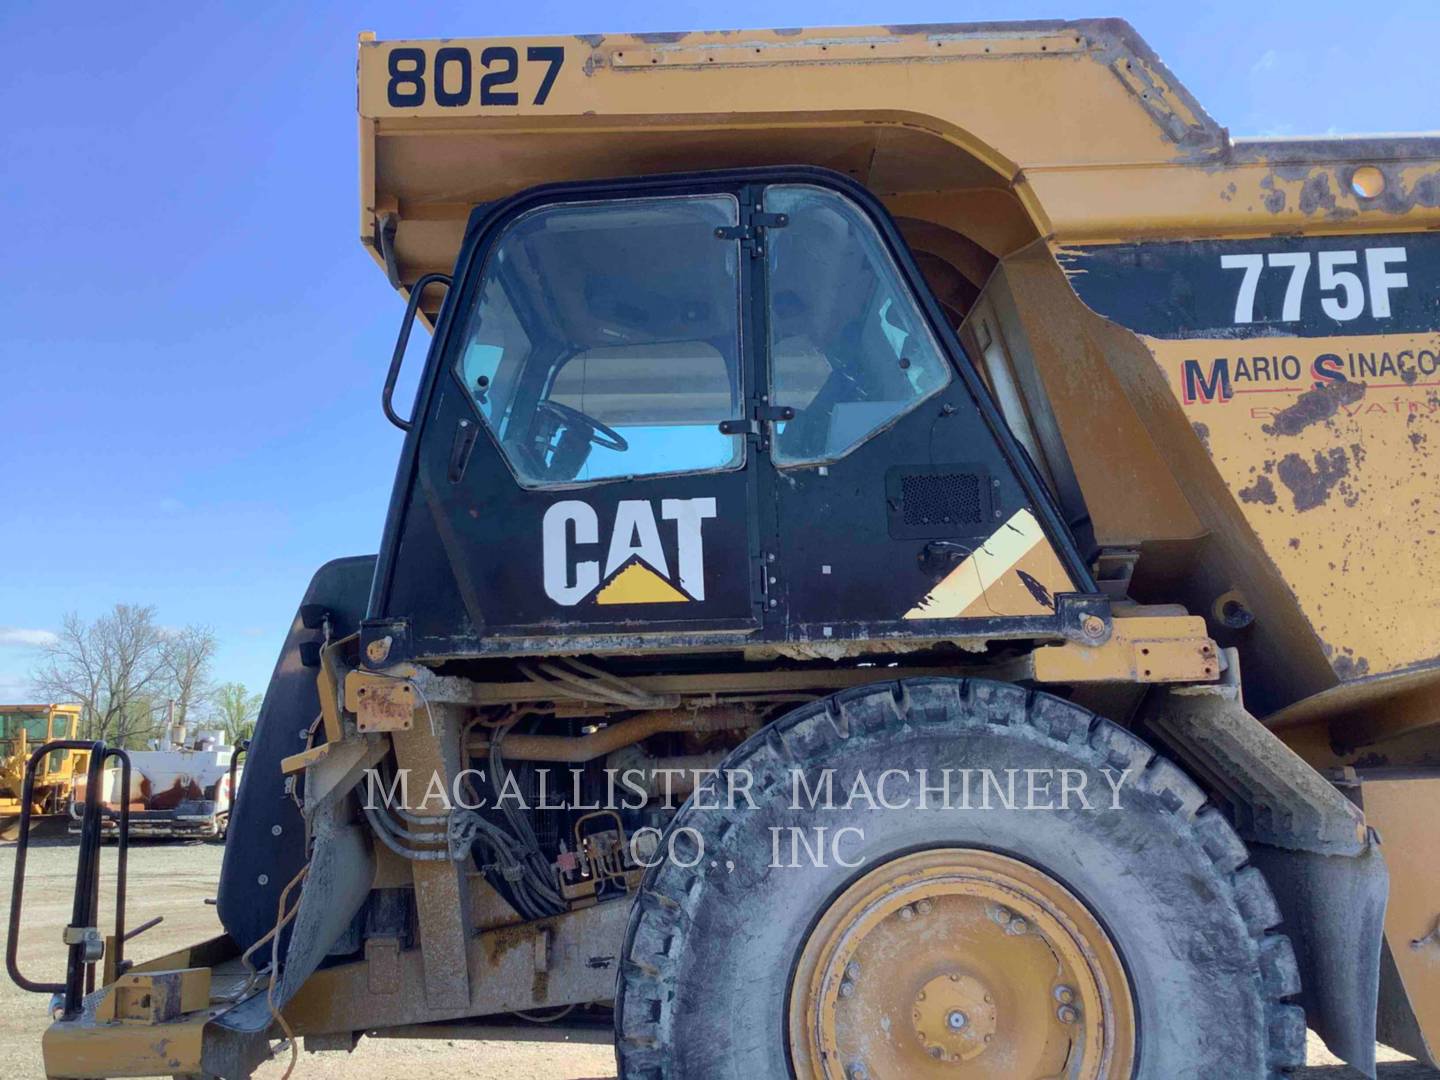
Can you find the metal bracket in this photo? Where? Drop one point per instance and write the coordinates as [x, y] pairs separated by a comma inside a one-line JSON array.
[[88, 936], [1140, 649], [381, 703], [384, 642]]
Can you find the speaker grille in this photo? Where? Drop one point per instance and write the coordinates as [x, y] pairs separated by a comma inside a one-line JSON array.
[[941, 499]]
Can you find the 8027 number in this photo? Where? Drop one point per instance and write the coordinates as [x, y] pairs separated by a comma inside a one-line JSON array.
[[452, 80]]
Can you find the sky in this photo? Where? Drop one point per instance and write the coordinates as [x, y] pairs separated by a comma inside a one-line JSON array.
[[192, 340]]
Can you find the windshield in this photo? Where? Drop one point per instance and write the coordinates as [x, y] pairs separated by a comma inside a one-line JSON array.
[[605, 341], [35, 726]]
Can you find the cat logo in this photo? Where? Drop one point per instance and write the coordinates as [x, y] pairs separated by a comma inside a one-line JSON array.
[[636, 569]]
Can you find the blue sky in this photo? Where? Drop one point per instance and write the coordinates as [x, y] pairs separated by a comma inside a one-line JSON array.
[[192, 340]]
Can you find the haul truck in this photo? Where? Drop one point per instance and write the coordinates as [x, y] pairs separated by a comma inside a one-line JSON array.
[[890, 405]]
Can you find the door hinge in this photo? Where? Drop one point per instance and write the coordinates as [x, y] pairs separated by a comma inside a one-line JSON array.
[[752, 235], [760, 414]]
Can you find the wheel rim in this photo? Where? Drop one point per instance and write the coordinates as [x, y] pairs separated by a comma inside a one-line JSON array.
[[964, 964]]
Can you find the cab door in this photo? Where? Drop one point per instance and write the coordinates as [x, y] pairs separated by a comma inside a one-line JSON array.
[[573, 472], [901, 504]]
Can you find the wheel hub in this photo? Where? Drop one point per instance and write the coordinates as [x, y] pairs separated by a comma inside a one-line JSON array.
[[954, 1017], [960, 963]]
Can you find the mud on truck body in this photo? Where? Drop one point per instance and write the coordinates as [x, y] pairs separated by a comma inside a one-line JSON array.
[[922, 401]]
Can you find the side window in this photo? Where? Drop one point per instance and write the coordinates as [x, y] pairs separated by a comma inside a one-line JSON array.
[[849, 349], [605, 340]]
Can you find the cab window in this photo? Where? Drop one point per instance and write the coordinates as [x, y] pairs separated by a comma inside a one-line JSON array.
[[605, 340], [850, 351]]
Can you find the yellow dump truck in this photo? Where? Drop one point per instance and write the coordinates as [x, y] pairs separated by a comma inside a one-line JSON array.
[[23, 728], [911, 557]]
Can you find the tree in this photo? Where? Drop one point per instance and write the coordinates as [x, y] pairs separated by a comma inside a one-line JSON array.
[[237, 710], [122, 669], [188, 653]]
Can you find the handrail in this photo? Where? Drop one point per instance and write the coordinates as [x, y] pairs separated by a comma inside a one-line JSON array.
[[398, 357], [82, 935]]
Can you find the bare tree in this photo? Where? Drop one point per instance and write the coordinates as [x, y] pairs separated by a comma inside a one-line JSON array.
[[188, 653], [237, 710], [122, 668]]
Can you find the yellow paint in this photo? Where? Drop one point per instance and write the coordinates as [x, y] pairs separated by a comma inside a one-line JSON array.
[[987, 583], [636, 583], [1143, 649], [1344, 507]]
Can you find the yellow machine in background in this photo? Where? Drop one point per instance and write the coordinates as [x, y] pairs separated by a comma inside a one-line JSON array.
[[22, 729]]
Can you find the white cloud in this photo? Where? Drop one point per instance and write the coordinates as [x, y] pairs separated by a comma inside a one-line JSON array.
[[17, 636], [1268, 60]]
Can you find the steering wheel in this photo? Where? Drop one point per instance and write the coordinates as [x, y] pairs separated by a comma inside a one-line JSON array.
[[612, 439]]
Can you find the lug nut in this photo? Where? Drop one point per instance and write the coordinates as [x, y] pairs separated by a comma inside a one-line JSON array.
[[1064, 995], [1066, 1014], [906, 914], [847, 989], [859, 1072], [1017, 926], [924, 907], [852, 970]]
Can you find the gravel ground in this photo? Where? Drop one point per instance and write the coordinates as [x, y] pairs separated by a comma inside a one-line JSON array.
[[186, 874]]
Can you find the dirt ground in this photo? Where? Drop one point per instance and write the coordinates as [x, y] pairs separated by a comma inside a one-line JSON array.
[[174, 879]]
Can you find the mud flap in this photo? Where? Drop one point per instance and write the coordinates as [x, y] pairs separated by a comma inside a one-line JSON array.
[[1323, 864], [1334, 911]]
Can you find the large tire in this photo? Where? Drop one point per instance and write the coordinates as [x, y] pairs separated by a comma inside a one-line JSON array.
[[710, 952]]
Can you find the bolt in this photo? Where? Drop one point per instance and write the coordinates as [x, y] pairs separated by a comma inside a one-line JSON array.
[[956, 1020], [276, 830], [1067, 1014], [920, 996], [1093, 626], [1001, 915], [263, 879], [924, 907], [1017, 926], [906, 914], [852, 970], [847, 989], [859, 1072], [1064, 995]]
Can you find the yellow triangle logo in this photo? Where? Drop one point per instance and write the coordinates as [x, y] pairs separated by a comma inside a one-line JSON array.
[[636, 583]]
